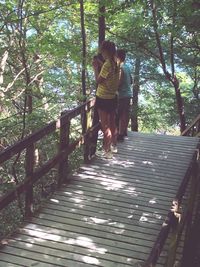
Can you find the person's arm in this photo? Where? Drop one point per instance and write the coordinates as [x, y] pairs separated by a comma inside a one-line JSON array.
[[131, 79], [103, 75], [100, 79], [96, 68], [121, 77]]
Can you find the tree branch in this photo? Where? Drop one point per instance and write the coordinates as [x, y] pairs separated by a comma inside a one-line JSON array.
[[155, 25]]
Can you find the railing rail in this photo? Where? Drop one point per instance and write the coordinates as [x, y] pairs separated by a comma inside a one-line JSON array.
[[176, 221], [61, 158], [193, 129]]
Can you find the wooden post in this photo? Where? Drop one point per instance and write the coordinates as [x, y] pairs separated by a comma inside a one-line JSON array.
[[198, 127], [94, 135], [190, 232], [29, 166], [64, 142], [174, 235], [84, 130]]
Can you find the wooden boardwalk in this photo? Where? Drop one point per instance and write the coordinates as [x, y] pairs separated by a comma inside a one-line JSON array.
[[111, 212]]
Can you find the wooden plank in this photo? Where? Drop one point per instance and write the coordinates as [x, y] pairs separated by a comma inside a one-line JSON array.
[[117, 235], [137, 161], [26, 256], [111, 212], [162, 137], [101, 244], [132, 183], [8, 264], [151, 164], [107, 226], [152, 153], [112, 219], [76, 251], [116, 204], [125, 195], [144, 175], [62, 256], [20, 260], [99, 215], [115, 208]]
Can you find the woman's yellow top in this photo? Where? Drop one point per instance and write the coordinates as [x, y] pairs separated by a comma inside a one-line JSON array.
[[108, 89]]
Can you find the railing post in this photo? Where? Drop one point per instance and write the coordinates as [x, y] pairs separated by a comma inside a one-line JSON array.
[[29, 166], [64, 142], [175, 235], [190, 232], [94, 134], [85, 125], [198, 127]]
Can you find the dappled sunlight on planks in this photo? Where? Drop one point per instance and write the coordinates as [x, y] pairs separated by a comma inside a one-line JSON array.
[[111, 211], [90, 260], [117, 161], [92, 256], [84, 241], [54, 200], [150, 217]]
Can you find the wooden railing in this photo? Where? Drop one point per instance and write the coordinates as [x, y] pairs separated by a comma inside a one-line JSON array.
[[179, 218], [59, 160], [193, 129]]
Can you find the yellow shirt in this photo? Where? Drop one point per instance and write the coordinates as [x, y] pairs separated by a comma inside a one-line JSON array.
[[108, 89]]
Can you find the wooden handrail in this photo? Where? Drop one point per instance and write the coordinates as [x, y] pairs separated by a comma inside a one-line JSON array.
[[190, 176], [193, 129], [61, 157], [38, 135], [171, 217]]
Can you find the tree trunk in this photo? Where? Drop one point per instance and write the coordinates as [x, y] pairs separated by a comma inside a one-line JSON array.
[[3, 65], [83, 48], [95, 119], [180, 105], [102, 24], [171, 77], [136, 88], [84, 113]]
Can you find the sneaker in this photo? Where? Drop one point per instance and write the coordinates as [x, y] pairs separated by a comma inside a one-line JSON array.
[[108, 155], [114, 149], [120, 137], [104, 154]]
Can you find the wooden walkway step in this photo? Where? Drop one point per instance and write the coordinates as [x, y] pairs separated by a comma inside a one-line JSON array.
[[111, 212]]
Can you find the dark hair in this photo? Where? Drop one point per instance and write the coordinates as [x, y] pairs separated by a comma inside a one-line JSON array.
[[99, 57], [121, 54], [109, 46]]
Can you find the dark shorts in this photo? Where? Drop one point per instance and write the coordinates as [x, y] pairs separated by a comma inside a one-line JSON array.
[[108, 105], [124, 104]]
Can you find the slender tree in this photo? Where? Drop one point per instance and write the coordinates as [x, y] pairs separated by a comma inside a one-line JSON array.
[[136, 88], [169, 76], [102, 23], [83, 48]]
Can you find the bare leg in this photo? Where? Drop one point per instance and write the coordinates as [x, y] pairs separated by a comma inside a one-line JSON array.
[[126, 121], [124, 118], [113, 128], [122, 122], [105, 124]]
